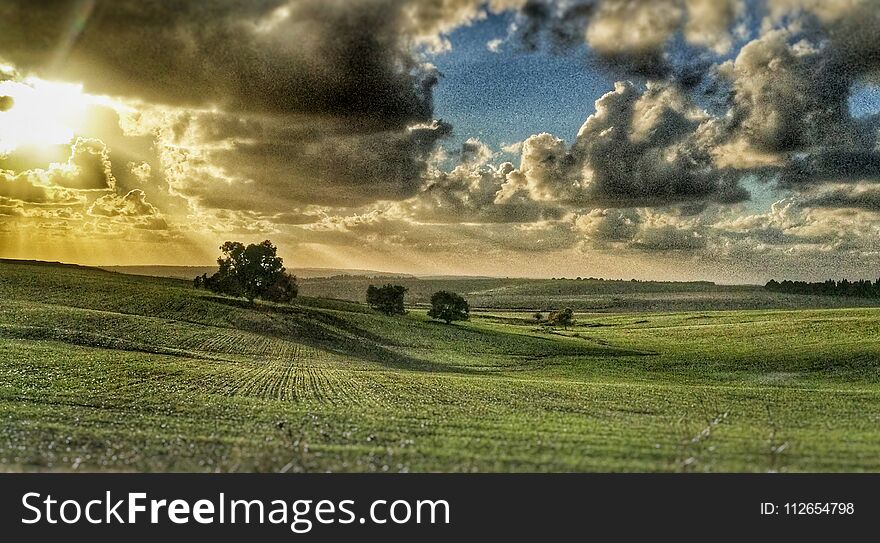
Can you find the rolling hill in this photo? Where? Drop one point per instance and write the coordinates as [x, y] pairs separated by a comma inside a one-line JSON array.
[[105, 371]]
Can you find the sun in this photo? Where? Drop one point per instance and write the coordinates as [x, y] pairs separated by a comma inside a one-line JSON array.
[[40, 113]]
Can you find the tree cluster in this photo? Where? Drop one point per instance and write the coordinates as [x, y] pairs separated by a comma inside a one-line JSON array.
[[861, 288], [252, 271], [387, 299], [564, 318]]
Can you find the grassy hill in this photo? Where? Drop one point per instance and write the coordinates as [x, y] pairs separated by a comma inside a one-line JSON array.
[[104, 371]]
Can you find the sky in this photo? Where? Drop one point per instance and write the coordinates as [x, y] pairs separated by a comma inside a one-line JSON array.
[[725, 140], [504, 97]]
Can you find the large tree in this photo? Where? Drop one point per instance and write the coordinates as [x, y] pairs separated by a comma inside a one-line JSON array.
[[448, 306], [252, 271]]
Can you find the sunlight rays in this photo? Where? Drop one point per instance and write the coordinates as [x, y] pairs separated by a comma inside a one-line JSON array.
[[43, 113]]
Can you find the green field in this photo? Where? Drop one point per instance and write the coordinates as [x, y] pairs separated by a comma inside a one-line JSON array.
[[593, 295], [104, 371]]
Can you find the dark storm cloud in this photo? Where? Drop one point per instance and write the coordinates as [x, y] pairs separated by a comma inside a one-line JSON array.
[[651, 148], [277, 165], [789, 94], [632, 37], [790, 98], [312, 101], [831, 165], [324, 57], [321, 166], [542, 22], [790, 86], [851, 27], [341, 171], [668, 238], [317, 102], [866, 197]]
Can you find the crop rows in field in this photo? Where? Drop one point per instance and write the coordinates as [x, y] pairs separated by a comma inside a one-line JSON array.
[[278, 369], [288, 380], [236, 342]]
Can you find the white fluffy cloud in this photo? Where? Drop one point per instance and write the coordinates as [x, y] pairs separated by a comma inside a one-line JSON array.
[[638, 149]]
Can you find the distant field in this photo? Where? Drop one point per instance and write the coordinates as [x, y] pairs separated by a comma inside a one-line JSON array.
[[595, 295], [190, 272], [584, 295], [104, 371]]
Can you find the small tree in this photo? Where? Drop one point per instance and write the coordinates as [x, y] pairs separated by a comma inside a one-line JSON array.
[[539, 317], [562, 318], [448, 306], [387, 299]]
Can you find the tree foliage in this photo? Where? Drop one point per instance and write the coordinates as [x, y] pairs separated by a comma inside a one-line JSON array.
[[564, 318], [252, 271], [448, 306], [844, 287], [387, 299]]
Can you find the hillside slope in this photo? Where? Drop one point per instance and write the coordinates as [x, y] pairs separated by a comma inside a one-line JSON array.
[[104, 371]]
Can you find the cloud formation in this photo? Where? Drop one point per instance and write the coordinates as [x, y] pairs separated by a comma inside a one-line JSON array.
[[319, 57], [603, 226], [132, 209], [633, 38], [78, 195], [468, 194], [650, 148], [272, 104], [787, 95], [26, 188], [217, 160], [88, 168], [314, 120]]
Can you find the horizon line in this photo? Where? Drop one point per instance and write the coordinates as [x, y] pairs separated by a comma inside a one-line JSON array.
[[391, 273]]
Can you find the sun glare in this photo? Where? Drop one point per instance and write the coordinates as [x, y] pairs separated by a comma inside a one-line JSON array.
[[42, 113]]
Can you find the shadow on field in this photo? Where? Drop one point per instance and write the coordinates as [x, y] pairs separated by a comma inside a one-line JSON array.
[[331, 333]]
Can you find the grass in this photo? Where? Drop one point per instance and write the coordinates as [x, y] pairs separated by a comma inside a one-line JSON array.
[[584, 295], [102, 371]]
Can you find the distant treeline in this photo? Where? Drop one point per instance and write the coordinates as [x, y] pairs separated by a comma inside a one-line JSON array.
[[390, 277], [861, 289]]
